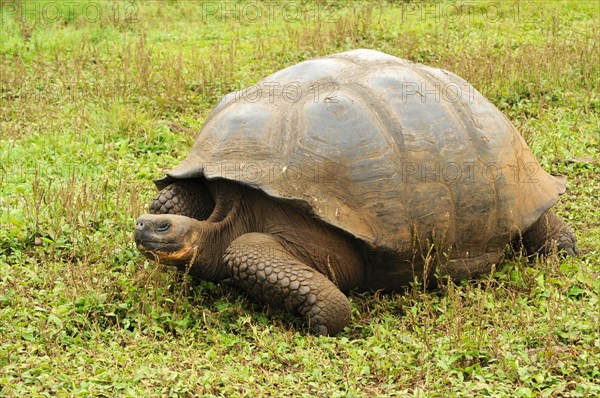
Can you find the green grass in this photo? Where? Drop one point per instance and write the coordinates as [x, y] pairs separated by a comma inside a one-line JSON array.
[[98, 99]]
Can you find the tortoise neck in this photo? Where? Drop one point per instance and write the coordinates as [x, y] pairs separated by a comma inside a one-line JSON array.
[[230, 219], [227, 199]]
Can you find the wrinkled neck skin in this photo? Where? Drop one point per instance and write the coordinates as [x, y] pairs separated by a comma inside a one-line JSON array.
[[230, 219]]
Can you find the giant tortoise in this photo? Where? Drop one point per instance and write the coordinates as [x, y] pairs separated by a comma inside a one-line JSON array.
[[357, 170]]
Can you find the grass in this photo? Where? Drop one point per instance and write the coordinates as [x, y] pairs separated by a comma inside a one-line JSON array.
[[98, 98]]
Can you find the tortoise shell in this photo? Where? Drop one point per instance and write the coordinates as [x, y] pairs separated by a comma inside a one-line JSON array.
[[385, 149]]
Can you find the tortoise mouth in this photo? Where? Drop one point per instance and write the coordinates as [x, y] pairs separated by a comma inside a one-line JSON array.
[[157, 246]]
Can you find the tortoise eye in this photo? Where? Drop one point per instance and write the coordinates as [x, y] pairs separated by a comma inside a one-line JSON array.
[[163, 226]]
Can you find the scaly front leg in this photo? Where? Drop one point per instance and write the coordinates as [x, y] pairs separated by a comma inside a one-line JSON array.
[[268, 272], [188, 198]]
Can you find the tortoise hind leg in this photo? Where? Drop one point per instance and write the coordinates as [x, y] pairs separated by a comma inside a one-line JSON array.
[[545, 232], [190, 198]]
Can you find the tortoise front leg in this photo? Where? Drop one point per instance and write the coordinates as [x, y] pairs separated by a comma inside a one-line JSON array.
[[548, 230], [268, 272]]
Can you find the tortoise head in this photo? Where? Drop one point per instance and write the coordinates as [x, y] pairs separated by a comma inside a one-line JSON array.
[[195, 241], [180, 241]]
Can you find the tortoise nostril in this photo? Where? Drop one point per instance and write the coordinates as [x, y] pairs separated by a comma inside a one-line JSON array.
[[163, 226]]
